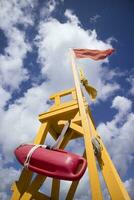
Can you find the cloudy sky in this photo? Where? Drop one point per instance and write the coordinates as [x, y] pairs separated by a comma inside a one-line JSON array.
[[35, 37]]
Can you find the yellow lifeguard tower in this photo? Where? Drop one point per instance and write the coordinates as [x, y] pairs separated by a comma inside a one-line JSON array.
[[78, 113]]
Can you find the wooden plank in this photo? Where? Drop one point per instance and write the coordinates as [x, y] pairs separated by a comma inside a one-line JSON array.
[[34, 186], [72, 190], [20, 186], [55, 189], [42, 133], [65, 112], [40, 196], [62, 93]]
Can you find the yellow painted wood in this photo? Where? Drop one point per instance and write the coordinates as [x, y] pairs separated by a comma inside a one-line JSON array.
[[77, 128], [114, 184], [40, 196], [53, 133], [16, 192], [62, 123], [111, 177], [33, 187], [73, 186], [62, 105], [66, 112], [77, 120], [67, 137], [74, 95], [90, 115], [55, 189], [92, 168], [73, 126], [41, 135], [20, 186], [72, 190], [62, 93], [57, 100]]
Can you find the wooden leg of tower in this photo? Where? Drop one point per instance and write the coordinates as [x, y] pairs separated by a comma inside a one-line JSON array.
[[111, 176], [91, 160], [55, 189], [92, 169], [72, 190], [34, 186], [73, 187], [21, 185], [41, 135], [67, 137], [56, 183], [114, 184], [40, 196]]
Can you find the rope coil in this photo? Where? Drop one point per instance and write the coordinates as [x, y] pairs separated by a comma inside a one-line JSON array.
[[30, 153]]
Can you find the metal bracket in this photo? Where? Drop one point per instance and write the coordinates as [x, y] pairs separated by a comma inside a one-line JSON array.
[[97, 146]]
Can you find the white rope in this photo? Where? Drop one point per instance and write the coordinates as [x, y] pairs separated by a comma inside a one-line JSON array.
[[30, 153], [61, 136], [56, 145]]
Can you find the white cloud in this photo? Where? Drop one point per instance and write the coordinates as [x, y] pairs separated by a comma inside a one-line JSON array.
[[83, 190], [122, 104], [106, 90], [94, 18], [7, 176], [132, 87], [130, 187], [4, 195], [5, 96], [11, 13], [71, 17], [131, 81], [12, 71], [22, 121], [111, 39], [55, 39], [49, 7]]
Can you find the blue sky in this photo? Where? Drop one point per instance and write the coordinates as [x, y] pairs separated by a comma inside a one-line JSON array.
[[34, 63]]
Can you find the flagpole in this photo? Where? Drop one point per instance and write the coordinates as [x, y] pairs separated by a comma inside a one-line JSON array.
[[91, 160]]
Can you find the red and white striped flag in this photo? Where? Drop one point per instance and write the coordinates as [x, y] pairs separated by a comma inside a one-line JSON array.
[[93, 54]]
